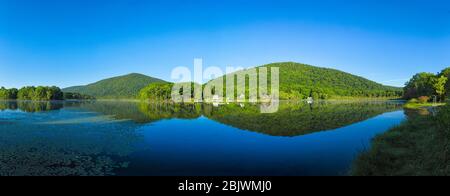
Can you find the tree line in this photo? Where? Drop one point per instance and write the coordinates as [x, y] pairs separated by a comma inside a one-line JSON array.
[[40, 93], [156, 92], [429, 85]]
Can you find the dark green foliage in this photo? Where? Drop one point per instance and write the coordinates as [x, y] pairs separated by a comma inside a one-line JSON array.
[[26, 93], [156, 92], [40, 93], [6, 94], [163, 91], [420, 84], [420, 146], [446, 73], [299, 81], [77, 96], [127, 86], [428, 84]]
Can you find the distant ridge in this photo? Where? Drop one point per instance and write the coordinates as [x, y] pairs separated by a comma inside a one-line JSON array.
[[126, 86]]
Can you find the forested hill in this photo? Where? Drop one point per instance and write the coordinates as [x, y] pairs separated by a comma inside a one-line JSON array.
[[325, 82], [299, 81], [127, 86]]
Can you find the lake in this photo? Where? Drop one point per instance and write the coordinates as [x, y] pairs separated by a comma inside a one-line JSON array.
[[132, 138]]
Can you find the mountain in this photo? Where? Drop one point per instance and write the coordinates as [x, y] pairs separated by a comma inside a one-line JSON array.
[[299, 81], [127, 86]]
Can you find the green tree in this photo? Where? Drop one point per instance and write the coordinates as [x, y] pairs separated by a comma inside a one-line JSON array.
[[6, 94], [156, 92], [439, 86], [13, 93], [54, 93], [26, 93], [421, 84], [40, 93], [446, 73]]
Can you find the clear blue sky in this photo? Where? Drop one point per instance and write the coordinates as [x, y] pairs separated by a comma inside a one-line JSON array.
[[75, 42]]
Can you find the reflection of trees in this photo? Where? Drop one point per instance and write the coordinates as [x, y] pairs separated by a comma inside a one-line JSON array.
[[143, 112], [294, 119], [118, 109], [31, 106], [72, 149], [158, 111], [8, 105], [414, 113]]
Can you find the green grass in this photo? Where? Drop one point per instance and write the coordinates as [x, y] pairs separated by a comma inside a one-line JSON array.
[[411, 105], [418, 147]]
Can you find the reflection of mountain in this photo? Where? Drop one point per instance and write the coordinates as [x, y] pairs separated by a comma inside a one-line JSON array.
[[294, 119]]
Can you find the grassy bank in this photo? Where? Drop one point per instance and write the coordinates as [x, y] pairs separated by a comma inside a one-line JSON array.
[[420, 146], [411, 105]]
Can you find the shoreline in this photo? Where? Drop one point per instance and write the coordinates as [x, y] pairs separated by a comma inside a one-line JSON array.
[[417, 147], [169, 101]]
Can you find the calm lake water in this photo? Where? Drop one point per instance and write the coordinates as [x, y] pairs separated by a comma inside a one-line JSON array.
[[128, 138]]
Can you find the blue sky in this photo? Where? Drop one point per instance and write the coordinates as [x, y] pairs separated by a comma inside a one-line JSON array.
[[75, 42]]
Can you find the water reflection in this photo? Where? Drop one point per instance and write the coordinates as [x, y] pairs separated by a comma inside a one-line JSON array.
[[36, 143], [31, 106], [292, 118], [299, 118], [156, 112], [102, 137]]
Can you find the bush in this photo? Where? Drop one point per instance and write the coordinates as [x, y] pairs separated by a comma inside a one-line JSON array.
[[443, 120], [423, 99], [413, 100]]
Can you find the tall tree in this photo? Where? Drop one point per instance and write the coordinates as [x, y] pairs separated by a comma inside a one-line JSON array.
[[420, 84], [439, 86], [26, 93], [446, 73]]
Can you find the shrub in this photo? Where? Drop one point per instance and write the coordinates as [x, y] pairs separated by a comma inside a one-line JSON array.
[[413, 100], [424, 99]]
